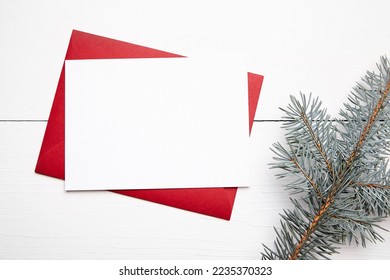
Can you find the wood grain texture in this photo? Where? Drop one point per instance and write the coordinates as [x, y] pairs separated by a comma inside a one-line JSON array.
[[303, 46], [39, 220]]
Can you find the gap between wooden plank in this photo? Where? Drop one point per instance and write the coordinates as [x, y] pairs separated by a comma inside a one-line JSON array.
[[23, 120], [253, 120]]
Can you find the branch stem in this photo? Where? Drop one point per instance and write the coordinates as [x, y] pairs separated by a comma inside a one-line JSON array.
[[369, 125], [308, 178], [312, 227], [317, 142], [369, 185]]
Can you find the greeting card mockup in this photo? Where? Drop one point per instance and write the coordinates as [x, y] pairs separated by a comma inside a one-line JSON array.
[[156, 123], [216, 202]]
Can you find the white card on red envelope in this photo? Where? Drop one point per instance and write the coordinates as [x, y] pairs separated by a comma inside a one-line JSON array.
[[156, 123]]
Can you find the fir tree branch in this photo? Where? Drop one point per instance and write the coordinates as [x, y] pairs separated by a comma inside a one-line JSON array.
[[329, 200], [344, 165], [367, 225]]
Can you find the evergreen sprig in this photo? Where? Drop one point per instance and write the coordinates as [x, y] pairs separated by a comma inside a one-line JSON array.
[[339, 169]]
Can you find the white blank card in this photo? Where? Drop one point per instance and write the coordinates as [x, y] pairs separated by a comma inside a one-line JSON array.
[[156, 123]]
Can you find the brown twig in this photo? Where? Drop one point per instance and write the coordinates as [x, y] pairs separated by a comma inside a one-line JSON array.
[[369, 125], [308, 178], [369, 185], [312, 227], [317, 142]]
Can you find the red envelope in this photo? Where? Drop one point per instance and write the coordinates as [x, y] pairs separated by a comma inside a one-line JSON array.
[[216, 202]]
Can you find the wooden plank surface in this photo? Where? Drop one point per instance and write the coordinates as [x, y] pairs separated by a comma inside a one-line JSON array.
[[39, 220], [321, 47]]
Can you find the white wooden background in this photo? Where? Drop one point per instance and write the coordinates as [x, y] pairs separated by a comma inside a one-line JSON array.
[[311, 46]]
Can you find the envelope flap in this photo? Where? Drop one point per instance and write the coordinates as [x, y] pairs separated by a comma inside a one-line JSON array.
[[84, 45], [255, 82], [217, 202], [51, 157]]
